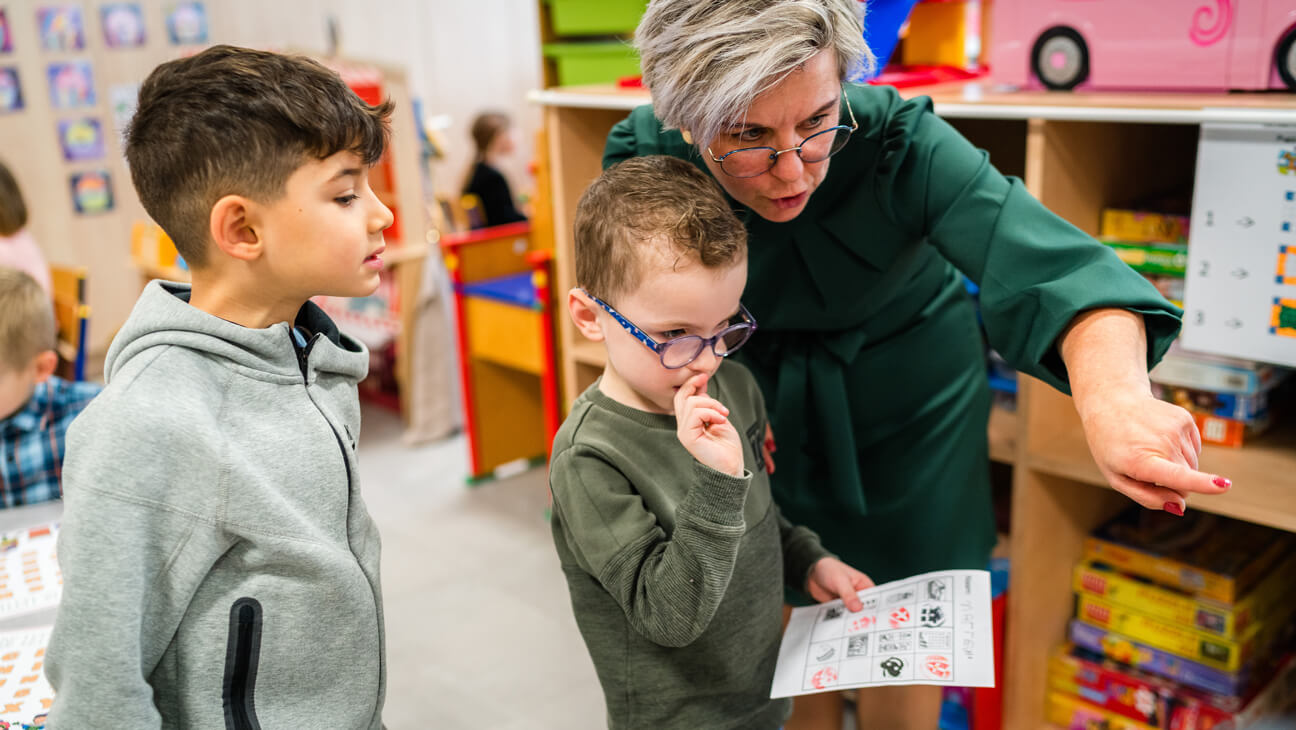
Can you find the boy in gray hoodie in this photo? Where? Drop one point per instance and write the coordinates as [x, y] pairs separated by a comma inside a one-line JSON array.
[[220, 569]]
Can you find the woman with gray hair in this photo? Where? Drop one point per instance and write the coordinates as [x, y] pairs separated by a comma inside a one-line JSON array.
[[869, 353]]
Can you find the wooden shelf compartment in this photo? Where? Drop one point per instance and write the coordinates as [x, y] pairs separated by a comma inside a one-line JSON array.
[[1261, 470], [1079, 168], [1051, 517], [576, 138], [1003, 139]]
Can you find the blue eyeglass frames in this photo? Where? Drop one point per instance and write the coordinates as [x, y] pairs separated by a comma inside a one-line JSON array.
[[680, 351]]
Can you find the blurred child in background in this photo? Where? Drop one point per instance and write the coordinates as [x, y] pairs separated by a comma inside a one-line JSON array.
[[18, 248], [491, 132]]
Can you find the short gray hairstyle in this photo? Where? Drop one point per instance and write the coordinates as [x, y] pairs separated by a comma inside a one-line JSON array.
[[706, 61]]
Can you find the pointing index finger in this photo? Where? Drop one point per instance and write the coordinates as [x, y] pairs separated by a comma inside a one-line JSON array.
[[1180, 478]]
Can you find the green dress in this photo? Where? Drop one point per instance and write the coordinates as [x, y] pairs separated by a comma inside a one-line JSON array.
[[869, 354]]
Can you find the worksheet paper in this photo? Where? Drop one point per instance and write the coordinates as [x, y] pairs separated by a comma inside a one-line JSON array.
[[29, 574], [933, 628], [25, 694]]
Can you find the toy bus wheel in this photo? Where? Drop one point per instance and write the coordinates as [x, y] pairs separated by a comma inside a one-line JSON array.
[[1060, 59], [1285, 59]]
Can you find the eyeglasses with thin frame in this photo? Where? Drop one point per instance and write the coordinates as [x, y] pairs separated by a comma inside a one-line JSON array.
[[756, 161], [680, 351]]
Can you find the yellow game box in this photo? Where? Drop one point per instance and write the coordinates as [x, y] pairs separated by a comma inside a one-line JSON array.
[[1206, 555], [1198, 646], [1068, 711], [1230, 621], [1136, 225]]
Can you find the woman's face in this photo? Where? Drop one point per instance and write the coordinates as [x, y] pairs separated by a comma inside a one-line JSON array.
[[808, 100]]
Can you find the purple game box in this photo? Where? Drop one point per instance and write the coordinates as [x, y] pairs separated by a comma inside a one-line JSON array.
[[1126, 650]]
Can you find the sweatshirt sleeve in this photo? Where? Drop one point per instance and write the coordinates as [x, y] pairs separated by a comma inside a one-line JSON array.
[[668, 586], [130, 564], [801, 550]]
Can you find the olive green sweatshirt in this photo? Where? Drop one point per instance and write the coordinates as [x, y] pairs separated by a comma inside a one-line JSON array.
[[676, 571]]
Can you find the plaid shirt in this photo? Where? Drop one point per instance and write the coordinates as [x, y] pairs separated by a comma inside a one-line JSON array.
[[31, 441]]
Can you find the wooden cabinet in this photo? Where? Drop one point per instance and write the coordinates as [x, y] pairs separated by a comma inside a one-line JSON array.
[[1077, 153]]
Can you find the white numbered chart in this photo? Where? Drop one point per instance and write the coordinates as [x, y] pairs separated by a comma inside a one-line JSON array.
[[1240, 290], [29, 574], [933, 628], [25, 694]]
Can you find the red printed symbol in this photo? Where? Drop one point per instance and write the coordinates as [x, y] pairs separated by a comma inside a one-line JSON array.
[[823, 678], [863, 623], [900, 617], [938, 666]]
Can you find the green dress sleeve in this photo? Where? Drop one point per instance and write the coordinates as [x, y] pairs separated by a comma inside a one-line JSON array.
[[1036, 271]]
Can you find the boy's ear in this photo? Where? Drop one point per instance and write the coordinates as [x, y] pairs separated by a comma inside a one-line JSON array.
[[44, 365], [231, 228], [584, 312]]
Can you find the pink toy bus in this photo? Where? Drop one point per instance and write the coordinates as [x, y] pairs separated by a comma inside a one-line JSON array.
[[1145, 44]]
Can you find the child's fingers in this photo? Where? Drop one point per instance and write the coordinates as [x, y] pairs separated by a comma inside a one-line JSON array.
[[860, 581], [706, 401], [846, 589], [700, 418], [695, 384]]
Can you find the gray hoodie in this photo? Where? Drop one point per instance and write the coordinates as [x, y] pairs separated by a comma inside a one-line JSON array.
[[220, 569]]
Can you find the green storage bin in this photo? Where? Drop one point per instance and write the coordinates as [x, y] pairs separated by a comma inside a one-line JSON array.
[[595, 17], [592, 63]]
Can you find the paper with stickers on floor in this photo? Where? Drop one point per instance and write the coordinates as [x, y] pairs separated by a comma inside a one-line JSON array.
[[25, 694], [933, 628]]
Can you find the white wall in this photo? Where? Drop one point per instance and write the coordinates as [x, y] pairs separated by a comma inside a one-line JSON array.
[[462, 57]]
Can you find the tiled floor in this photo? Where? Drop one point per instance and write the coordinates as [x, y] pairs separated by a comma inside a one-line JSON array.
[[480, 633]]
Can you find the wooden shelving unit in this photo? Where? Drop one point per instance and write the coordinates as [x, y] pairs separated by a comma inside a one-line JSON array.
[[1077, 153]]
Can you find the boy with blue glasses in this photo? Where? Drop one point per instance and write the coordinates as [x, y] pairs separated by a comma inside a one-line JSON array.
[[674, 553]]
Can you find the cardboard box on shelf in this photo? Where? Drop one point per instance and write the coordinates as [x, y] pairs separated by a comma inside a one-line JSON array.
[[1160, 702], [1186, 369], [1198, 646], [1127, 651], [1222, 619], [1170, 259], [1146, 226], [1206, 555]]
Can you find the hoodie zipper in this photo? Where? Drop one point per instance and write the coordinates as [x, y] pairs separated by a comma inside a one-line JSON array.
[[303, 357], [241, 659]]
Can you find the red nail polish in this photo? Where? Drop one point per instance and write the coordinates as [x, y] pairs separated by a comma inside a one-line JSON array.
[[1221, 482], [1174, 508]]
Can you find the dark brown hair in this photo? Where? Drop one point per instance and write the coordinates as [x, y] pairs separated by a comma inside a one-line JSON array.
[[13, 211], [233, 121], [485, 128], [642, 204]]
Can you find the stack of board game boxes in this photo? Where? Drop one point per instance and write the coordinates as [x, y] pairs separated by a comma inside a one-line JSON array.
[[1180, 624]]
